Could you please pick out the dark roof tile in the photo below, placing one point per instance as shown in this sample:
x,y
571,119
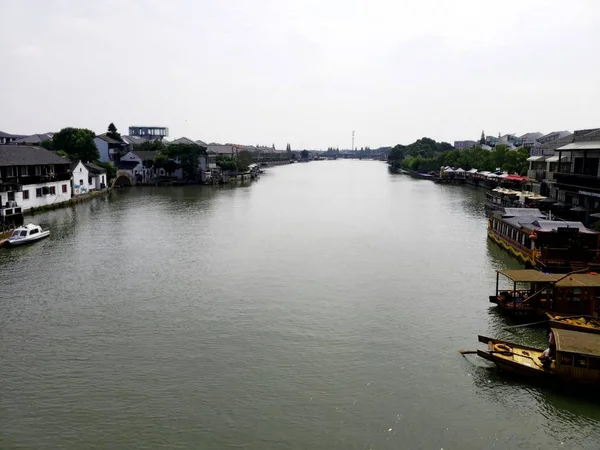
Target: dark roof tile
x,y
28,155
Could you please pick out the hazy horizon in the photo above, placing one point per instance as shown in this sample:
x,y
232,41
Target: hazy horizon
x,y
303,72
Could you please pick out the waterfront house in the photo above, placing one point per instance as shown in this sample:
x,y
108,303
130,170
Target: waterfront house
x,y
87,177
108,148
30,177
7,138
34,139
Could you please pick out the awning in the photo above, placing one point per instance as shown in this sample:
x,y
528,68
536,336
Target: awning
x,y
516,178
555,158
596,215
536,158
578,209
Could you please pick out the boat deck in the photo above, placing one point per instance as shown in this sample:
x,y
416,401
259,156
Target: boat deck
x,y
518,359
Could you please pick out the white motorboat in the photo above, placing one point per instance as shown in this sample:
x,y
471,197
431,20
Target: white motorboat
x,y
27,234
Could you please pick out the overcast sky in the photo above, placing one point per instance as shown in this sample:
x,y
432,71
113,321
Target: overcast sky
x,y
305,72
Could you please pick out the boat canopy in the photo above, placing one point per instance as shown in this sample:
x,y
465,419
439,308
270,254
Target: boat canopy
x,y
571,341
560,280
529,276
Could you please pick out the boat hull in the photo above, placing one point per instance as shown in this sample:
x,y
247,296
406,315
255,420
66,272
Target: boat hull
x,y
29,239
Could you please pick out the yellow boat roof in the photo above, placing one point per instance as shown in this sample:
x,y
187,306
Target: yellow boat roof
x,y
572,341
529,275
535,276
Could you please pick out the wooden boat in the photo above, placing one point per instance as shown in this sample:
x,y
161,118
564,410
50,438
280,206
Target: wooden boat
x,y
532,292
577,358
499,198
27,234
556,246
585,324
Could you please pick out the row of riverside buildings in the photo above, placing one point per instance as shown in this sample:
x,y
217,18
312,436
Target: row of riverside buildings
x,y
32,177
563,166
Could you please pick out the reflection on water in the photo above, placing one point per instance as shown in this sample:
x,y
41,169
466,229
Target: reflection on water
x,y
321,307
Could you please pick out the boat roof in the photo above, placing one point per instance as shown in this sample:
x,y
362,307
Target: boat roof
x,y
529,276
535,276
580,280
29,226
572,341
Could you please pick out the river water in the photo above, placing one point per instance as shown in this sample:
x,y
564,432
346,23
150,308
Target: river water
x,y
322,307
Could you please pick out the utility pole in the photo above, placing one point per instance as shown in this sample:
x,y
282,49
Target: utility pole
x,y
353,140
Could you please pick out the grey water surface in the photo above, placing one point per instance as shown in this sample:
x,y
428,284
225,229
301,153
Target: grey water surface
x,y
321,307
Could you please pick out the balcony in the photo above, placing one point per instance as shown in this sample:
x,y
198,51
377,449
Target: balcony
x,y
537,175
577,180
10,208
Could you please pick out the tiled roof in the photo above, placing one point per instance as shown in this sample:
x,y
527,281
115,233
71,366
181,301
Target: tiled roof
x,y
126,165
8,135
28,155
108,139
34,138
93,168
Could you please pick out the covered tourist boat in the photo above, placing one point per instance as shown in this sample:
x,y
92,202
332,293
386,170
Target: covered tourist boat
x,y
576,359
531,292
499,198
557,246
27,234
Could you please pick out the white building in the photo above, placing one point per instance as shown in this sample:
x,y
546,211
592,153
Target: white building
x,y
87,178
31,177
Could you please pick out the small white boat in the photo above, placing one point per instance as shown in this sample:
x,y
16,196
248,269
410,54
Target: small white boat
x,y
27,234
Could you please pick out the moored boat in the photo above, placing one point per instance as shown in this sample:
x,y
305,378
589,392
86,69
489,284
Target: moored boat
x,y
576,359
27,234
585,324
532,292
556,246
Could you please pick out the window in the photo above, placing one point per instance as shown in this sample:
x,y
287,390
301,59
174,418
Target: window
x,y
81,169
52,190
64,188
102,181
50,169
25,194
38,170
11,196
574,295
10,172
24,171
89,180
45,190
38,192
34,231
80,182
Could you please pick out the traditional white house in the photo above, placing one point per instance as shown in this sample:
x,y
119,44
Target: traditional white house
x,y
87,177
31,177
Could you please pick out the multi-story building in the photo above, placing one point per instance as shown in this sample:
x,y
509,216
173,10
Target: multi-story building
x,y
31,177
543,162
576,186
462,145
146,132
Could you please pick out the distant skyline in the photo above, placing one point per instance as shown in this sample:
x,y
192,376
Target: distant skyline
x,y
306,72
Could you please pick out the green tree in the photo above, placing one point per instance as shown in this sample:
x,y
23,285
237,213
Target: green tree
x,y
304,154
78,143
227,163
113,133
111,171
244,159
188,156
47,144
151,146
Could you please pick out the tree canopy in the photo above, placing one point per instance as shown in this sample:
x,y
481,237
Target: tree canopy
x,y
77,143
188,156
113,133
